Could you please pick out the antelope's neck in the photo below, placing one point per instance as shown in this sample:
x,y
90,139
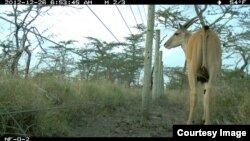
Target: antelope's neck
x,y
185,42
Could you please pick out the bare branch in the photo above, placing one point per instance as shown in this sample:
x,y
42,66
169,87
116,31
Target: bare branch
x,y
29,10
199,13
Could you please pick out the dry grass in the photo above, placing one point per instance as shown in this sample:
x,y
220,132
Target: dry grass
x,y
230,102
50,107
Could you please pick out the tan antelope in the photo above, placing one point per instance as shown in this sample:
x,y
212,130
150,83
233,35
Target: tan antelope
x,y
203,55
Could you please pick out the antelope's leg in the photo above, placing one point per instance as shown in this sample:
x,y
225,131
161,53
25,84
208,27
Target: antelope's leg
x,y
207,103
209,86
192,97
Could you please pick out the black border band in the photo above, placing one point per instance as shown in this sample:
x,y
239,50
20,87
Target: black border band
x,y
122,2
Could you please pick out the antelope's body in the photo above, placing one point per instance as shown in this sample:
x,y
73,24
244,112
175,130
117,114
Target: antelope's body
x,y
203,55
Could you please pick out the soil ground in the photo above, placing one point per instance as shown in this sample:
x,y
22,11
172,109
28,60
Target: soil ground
x,y
126,122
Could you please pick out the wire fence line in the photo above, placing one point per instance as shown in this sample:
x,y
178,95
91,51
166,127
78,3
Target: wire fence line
x,y
124,19
15,121
133,14
144,12
6,112
103,24
140,14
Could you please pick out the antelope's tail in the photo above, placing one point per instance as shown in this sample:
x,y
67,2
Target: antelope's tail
x,y
204,46
203,74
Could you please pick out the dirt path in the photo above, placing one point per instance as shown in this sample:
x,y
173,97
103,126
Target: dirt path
x,y
125,122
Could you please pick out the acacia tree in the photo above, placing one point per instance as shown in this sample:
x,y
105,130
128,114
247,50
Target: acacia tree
x,y
238,45
102,55
58,58
22,19
7,51
87,61
100,60
133,61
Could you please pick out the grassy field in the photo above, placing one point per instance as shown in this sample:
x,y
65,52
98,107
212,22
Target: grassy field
x,y
59,107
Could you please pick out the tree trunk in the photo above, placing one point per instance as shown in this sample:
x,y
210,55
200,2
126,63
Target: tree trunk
x,y
28,62
199,13
14,65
